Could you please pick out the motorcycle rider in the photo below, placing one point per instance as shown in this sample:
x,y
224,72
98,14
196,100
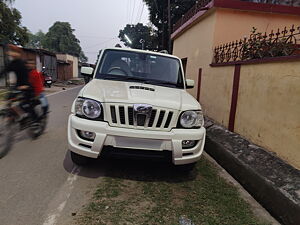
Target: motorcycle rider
x,y
36,81
18,66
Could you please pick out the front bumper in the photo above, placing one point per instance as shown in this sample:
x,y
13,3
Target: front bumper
x,y
134,139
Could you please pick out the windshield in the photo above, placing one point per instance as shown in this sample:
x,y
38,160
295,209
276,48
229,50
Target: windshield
x,y
140,67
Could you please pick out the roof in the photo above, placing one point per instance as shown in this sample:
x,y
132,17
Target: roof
x,y
142,51
39,51
62,62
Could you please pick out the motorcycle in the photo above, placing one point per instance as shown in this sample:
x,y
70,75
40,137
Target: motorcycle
x,y
47,78
13,118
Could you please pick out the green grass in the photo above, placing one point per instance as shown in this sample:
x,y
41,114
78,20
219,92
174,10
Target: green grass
x,y
164,196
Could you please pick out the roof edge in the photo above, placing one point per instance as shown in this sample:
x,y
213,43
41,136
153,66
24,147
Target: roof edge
x,y
238,5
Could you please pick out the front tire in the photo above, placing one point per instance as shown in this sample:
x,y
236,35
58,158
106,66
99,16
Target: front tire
x,y
79,160
37,129
6,134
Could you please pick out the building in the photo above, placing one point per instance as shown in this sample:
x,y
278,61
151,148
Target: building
x,y
43,58
67,66
257,94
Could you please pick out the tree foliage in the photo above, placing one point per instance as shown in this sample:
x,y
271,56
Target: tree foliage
x,y
159,16
61,39
36,40
11,30
82,57
139,32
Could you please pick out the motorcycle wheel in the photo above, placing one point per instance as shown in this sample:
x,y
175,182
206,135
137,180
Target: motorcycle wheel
x,y
6,134
37,129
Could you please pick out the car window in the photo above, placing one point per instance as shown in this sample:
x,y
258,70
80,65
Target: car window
x,y
147,66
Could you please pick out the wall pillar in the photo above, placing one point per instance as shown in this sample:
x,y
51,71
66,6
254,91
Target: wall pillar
x,y
234,98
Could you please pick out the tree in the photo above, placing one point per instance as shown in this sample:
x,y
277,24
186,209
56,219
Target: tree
x,y
139,32
159,16
36,40
11,30
61,39
82,57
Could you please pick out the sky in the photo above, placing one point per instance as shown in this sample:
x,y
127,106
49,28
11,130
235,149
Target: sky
x,y
96,22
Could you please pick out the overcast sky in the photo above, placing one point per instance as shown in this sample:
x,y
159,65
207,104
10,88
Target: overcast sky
x,y
97,22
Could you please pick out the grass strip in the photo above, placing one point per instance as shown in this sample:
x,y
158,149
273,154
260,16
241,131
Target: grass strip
x,y
162,196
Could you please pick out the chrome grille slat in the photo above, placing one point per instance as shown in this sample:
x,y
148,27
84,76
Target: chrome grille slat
x,y
126,115
121,115
118,116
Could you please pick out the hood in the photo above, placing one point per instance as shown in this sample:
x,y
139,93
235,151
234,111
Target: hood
x,y
107,91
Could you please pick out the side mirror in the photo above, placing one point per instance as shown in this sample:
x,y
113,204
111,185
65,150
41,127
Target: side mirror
x,y
87,71
189,84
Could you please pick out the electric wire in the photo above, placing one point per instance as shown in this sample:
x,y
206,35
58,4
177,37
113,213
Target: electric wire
x,y
101,43
138,11
132,15
141,13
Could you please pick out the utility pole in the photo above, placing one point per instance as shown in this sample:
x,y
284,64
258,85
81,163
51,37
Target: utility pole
x,y
169,27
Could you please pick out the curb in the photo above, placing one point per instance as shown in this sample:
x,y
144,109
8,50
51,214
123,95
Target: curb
x,y
271,181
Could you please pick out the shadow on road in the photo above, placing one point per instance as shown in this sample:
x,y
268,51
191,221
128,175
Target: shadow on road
x,y
129,169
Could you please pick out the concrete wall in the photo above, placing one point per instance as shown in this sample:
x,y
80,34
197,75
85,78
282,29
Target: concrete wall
x,y
268,106
38,63
234,25
196,45
268,109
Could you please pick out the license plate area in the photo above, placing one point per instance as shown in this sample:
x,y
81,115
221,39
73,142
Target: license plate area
x,y
139,143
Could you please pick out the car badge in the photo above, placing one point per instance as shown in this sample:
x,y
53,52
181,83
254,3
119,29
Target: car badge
x,y
142,109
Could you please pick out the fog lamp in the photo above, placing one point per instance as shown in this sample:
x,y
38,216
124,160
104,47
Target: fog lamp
x,y
188,144
86,135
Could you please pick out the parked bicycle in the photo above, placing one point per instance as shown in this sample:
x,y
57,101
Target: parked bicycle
x,y
14,118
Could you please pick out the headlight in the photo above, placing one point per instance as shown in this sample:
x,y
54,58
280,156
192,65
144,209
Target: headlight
x,y
191,119
88,108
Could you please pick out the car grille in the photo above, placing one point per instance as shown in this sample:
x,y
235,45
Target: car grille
x,y
124,116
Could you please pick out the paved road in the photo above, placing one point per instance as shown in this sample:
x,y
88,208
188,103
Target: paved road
x,y
37,177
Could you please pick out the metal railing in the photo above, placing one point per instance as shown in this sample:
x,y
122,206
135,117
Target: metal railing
x,y
276,2
259,46
192,12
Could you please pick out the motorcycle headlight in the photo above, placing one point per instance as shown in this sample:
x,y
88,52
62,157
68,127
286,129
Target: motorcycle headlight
x,y
191,119
88,108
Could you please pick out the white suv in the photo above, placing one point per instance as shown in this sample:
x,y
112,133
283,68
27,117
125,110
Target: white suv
x,y
136,104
